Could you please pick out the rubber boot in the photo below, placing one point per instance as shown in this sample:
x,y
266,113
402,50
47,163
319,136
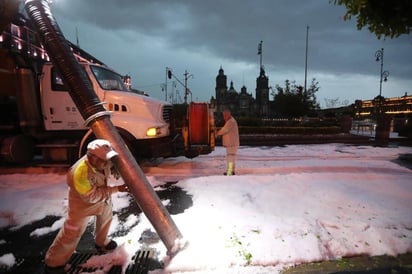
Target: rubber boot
x,y
229,169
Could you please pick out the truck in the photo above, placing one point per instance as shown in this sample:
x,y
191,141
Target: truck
x,y
40,123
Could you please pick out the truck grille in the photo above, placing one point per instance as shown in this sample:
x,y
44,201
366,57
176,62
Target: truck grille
x,y
167,113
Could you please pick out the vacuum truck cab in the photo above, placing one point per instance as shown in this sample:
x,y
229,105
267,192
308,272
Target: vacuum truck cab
x,y
142,120
40,120
143,117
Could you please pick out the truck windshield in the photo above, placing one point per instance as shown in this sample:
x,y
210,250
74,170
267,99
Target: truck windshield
x,y
108,79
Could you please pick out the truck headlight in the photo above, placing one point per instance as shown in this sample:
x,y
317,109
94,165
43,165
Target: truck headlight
x,y
153,131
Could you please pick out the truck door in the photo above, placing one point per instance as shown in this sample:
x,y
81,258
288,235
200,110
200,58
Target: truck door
x,y
59,110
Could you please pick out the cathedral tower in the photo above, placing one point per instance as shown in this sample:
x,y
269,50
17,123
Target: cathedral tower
x,y
262,93
221,86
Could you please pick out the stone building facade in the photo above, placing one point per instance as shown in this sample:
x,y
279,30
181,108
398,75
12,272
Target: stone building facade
x,y
241,104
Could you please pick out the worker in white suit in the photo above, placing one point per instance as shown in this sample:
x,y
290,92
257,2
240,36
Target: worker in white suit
x,y
230,140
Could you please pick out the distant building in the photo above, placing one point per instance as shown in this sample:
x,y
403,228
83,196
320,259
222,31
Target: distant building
x,y
243,103
397,106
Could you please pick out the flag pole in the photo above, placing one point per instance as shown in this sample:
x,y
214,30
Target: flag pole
x,y
306,57
260,52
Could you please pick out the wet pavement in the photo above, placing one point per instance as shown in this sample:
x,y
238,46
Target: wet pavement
x,y
401,264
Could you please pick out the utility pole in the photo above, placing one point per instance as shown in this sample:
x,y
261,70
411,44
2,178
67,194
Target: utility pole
x,y
187,75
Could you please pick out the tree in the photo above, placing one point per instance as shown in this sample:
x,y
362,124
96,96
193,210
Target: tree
x,y
385,18
309,97
335,102
331,103
293,101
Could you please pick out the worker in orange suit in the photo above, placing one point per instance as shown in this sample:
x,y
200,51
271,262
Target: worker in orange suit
x,y
89,195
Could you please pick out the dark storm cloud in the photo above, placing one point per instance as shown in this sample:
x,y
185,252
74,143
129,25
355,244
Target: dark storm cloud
x,y
232,29
155,33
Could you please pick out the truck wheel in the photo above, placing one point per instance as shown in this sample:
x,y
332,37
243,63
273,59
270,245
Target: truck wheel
x,y
17,149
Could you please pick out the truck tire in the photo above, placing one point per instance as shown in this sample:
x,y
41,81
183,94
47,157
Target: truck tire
x,y
18,149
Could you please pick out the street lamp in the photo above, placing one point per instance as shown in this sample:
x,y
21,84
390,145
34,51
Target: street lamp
x,y
384,74
383,122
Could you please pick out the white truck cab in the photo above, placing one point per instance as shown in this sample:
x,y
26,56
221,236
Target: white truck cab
x,y
141,116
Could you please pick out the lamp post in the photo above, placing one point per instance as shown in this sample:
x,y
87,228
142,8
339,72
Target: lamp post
x,y
383,122
384,74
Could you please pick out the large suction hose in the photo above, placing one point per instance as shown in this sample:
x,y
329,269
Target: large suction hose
x,y
98,119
